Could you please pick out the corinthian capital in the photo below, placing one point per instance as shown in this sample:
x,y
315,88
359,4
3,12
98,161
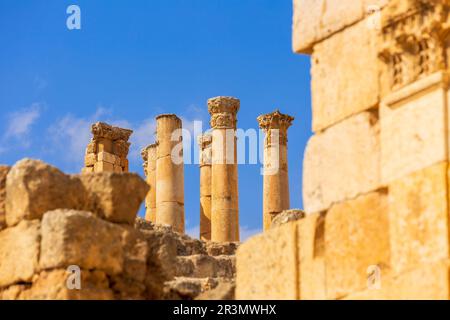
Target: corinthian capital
x,y
223,111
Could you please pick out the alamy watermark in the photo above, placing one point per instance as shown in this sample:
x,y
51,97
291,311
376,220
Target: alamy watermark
x,y
73,21
73,281
230,146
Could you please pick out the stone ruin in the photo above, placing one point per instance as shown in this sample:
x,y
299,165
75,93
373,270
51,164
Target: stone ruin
x,y
375,185
83,221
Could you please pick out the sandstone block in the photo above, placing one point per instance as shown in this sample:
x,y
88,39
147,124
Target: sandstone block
x,y
90,159
346,155
267,266
315,20
91,147
104,145
107,157
106,193
311,256
19,253
425,282
135,254
25,186
418,214
356,238
102,166
3,173
338,88
79,238
413,129
87,170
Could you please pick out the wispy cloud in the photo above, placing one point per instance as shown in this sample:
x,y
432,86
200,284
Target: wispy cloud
x,y
70,135
18,127
20,122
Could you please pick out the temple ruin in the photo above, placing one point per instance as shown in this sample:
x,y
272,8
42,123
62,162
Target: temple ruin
x,y
376,192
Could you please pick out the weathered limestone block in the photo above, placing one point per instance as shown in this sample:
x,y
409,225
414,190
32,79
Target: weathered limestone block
x,y
267,266
34,187
413,128
346,86
3,173
52,285
136,251
315,20
19,253
356,238
311,257
90,159
79,238
418,215
106,194
346,155
425,282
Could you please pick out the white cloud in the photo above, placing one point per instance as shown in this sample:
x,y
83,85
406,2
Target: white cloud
x,y
20,122
70,135
143,135
18,128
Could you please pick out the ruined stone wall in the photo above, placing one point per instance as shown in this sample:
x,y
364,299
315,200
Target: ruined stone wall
x,y
376,171
51,223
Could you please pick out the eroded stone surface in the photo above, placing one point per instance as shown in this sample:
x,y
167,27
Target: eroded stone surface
x,y
19,253
3,173
342,162
79,238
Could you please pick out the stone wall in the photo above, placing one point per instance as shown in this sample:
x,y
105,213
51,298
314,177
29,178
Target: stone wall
x,y
376,171
52,222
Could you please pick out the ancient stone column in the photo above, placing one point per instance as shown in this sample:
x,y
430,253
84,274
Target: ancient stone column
x,y
149,157
224,170
108,149
204,142
276,180
169,172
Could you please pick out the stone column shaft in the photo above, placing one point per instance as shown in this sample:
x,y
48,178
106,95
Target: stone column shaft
x,y
276,179
149,156
224,170
170,172
205,146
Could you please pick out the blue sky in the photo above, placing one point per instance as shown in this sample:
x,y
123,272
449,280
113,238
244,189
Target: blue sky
x,y
132,60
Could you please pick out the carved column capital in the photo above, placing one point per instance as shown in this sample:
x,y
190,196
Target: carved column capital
x,y
275,123
223,111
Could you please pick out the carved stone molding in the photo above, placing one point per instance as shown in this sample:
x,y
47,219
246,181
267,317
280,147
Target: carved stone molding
x,y
102,130
414,38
